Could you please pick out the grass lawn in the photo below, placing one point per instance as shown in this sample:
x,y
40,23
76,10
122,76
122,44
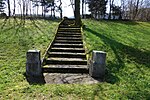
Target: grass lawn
x,y
128,55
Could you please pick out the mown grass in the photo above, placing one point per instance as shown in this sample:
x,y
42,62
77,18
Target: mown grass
x,y
128,56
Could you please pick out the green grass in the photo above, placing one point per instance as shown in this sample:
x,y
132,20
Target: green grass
x,y
128,55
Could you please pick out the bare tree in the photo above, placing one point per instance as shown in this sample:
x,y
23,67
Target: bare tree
x,y
27,6
24,6
82,8
135,9
111,2
9,12
60,8
77,13
14,10
20,6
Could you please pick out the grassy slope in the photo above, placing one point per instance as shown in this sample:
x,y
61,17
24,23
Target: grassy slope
x,y
126,44
128,55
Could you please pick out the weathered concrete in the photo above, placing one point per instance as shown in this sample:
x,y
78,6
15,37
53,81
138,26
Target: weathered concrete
x,y
59,78
33,64
97,66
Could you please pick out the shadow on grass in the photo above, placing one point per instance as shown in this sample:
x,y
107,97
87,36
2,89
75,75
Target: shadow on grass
x,y
96,92
39,28
127,22
120,50
99,92
138,95
4,23
33,80
55,20
12,27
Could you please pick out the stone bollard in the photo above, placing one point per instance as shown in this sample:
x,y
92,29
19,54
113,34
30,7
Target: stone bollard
x,y
33,64
97,66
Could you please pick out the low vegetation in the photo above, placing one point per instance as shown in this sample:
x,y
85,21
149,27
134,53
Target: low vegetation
x,y
128,56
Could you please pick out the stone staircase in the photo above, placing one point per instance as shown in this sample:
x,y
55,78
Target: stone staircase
x,y
66,54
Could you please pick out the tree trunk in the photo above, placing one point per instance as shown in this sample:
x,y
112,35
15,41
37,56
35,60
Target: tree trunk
x,y
42,10
14,11
82,8
20,9
9,12
77,13
30,8
111,4
23,8
60,7
54,12
136,10
109,16
37,8
27,7
51,11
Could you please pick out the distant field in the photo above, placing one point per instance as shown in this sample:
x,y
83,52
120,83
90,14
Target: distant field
x,y
128,60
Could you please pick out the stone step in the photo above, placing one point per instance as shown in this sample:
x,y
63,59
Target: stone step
x,y
66,61
65,70
67,45
69,33
73,50
67,55
65,66
66,26
68,42
68,38
69,30
65,36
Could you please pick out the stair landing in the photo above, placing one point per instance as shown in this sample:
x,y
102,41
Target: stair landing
x,y
59,78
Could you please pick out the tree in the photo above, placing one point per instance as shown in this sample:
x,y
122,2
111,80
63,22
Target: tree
x,y
9,12
82,7
60,8
123,8
36,5
143,11
49,5
133,6
116,11
2,6
97,8
43,3
111,2
14,10
53,8
77,13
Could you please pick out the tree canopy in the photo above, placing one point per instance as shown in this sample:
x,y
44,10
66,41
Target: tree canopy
x,y
2,5
97,8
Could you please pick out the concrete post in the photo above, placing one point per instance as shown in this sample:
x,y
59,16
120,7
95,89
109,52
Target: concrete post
x,y
33,64
97,66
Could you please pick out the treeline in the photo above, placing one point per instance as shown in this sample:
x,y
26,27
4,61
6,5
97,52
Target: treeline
x,y
127,9
36,8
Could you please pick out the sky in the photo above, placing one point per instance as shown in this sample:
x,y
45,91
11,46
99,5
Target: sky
x,y
67,10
